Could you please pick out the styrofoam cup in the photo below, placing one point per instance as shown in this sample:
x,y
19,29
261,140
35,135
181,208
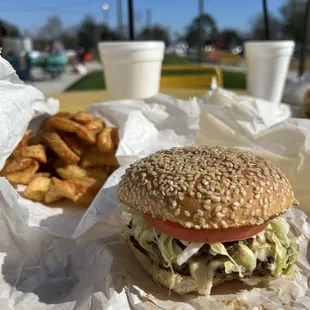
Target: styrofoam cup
x,y
267,64
132,69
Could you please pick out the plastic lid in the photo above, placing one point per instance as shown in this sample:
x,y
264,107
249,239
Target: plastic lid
x,y
270,44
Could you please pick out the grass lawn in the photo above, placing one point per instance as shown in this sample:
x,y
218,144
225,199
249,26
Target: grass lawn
x,y
95,80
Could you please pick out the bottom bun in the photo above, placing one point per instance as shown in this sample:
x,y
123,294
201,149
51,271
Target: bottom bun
x,y
182,284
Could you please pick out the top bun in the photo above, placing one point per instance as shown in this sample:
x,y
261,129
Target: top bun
x,y
206,187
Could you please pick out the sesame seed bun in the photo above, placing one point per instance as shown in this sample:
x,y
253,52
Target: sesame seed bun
x,y
207,187
182,284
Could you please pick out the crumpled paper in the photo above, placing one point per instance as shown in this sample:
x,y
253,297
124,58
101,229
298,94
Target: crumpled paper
x,y
97,270
144,127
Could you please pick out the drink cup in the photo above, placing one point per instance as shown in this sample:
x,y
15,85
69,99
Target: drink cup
x,y
267,64
132,69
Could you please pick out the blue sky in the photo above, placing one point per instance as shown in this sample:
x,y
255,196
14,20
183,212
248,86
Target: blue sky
x,y
173,14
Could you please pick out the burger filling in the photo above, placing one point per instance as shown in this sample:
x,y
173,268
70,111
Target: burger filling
x,y
270,253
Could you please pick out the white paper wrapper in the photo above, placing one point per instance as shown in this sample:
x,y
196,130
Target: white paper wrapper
x,y
97,270
144,127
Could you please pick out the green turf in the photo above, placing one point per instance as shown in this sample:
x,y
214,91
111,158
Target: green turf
x,y
174,59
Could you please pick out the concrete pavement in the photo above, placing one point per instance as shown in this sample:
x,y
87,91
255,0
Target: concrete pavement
x,y
44,83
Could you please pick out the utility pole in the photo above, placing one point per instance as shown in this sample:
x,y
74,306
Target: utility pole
x,y
119,16
131,20
201,39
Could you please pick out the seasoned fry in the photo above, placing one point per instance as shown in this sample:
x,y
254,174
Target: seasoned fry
x,y
52,194
96,125
36,139
36,152
104,140
98,173
67,125
14,164
23,176
73,143
83,117
70,172
64,114
82,190
54,141
95,158
37,188
42,175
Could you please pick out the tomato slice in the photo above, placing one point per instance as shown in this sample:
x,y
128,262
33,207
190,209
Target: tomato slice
x,y
203,235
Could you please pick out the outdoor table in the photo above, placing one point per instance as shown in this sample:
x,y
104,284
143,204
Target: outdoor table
x,y
77,101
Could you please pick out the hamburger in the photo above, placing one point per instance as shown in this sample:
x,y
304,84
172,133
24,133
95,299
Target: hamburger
x,y
208,214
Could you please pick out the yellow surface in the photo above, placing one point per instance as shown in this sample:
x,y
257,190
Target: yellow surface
x,y
77,101
199,81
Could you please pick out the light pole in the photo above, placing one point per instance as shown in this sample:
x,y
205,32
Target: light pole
x,y
105,9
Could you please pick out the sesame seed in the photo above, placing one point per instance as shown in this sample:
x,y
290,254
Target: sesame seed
x,y
187,213
261,202
219,214
235,204
177,212
225,210
257,196
233,215
224,224
218,208
253,213
215,225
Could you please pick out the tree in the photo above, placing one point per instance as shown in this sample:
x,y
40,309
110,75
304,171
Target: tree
x,y
89,33
231,37
293,14
208,31
155,33
7,29
52,28
275,28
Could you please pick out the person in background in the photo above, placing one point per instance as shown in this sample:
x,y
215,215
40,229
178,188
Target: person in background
x,y
57,48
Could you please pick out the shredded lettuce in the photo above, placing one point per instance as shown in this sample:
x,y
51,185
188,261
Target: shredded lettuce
x,y
219,248
275,243
244,257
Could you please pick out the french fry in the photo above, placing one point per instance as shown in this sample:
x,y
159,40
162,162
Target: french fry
x,y
115,138
67,125
70,172
81,190
73,143
83,117
42,175
52,194
96,125
64,114
36,152
104,140
37,188
54,141
14,164
95,158
98,173
23,176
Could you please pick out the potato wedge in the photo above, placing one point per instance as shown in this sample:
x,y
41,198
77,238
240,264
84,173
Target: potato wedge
x,y
37,188
52,194
95,158
96,125
15,164
83,117
42,174
54,141
104,140
67,125
73,143
36,152
70,172
23,176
